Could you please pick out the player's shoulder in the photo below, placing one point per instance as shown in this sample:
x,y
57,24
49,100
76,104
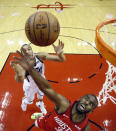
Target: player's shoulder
x,y
41,55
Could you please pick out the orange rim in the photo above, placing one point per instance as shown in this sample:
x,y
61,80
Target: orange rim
x,y
102,46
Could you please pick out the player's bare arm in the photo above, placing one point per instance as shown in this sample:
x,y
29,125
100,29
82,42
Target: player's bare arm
x,y
58,50
27,63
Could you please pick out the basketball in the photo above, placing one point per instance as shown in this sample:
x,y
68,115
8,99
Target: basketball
x,y
42,28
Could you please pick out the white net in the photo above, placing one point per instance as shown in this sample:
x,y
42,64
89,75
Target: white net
x,y
108,87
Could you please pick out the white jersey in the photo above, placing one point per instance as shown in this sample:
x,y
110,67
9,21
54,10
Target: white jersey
x,y
30,88
39,66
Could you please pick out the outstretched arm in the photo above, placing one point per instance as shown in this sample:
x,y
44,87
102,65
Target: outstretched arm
x,y
27,63
59,51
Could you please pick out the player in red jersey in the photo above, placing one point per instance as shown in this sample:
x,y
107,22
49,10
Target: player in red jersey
x,y
67,116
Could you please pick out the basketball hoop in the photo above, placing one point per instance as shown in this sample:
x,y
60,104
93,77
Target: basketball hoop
x,y
106,51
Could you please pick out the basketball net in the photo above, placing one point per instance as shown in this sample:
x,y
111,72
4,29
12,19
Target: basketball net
x,y
109,86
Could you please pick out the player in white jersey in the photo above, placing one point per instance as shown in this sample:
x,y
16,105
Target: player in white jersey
x,y
29,86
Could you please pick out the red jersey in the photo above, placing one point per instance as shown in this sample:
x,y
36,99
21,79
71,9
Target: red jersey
x,y
61,122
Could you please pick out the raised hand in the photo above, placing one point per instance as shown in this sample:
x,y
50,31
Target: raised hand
x,y
59,48
24,61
